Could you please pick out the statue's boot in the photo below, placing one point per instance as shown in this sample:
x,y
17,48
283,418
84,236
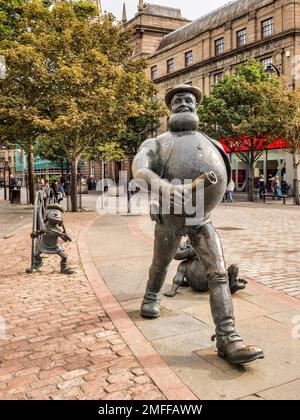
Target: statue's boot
x,y
38,263
151,305
230,345
64,267
235,283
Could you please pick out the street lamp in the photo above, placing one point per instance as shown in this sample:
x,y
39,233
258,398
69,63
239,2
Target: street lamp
x,y
270,68
5,167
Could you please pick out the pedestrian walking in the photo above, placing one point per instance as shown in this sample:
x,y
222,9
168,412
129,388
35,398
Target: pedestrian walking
x,y
262,186
276,188
230,190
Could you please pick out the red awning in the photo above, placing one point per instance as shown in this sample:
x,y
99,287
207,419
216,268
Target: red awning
x,y
275,144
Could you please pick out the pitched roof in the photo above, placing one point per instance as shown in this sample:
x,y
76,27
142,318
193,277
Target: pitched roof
x,y
155,9
212,20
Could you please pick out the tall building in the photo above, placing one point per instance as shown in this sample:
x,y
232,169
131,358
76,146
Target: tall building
x,y
201,52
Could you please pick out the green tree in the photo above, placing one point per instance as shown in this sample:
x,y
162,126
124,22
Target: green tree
x,y
76,74
10,17
138,129
290,130
117,146
51,150
245,111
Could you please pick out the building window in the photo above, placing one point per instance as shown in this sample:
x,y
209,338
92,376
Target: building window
x,y
153,72
188,58
266,61
219,46
218,77
241,37
170,65
267,27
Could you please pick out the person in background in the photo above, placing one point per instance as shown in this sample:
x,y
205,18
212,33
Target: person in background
x,y
262,185
230,189
276,188
54,189
62,185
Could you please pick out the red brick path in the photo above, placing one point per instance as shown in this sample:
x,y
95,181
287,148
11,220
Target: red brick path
x,y
60,344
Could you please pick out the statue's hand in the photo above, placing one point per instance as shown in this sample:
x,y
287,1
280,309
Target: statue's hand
x,y
174,195
34,235
66,238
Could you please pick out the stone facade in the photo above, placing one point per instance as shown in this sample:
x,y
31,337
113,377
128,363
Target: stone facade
x,y
268,30
202,51
8,155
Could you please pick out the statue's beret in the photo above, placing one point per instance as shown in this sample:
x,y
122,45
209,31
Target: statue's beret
x,y
55,207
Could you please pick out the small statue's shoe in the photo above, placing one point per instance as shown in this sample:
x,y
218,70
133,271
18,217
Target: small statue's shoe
x,y
68,271
232,349
36,267
151,305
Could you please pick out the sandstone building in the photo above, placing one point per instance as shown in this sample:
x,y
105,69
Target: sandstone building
x,y
204,50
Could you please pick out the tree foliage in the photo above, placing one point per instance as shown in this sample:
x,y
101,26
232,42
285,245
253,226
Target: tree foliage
x,y
71,78
290,130
10,18
246,111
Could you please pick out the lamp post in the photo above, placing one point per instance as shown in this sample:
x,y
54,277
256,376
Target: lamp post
x,y
271,68
6,170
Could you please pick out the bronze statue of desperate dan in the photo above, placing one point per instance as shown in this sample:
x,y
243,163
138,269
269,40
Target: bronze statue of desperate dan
x,y
184,153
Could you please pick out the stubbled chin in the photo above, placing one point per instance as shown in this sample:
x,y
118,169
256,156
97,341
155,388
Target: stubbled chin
x,y
184,121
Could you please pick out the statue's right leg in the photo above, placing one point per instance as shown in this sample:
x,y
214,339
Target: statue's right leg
x,y
38,262
166,243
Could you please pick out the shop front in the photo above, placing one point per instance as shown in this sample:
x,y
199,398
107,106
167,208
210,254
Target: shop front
x,y
274,161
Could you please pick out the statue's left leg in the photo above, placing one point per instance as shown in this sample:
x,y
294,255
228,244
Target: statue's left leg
x,y
64,264
207,244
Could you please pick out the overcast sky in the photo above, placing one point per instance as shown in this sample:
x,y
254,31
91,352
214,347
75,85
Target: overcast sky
x,y
190,9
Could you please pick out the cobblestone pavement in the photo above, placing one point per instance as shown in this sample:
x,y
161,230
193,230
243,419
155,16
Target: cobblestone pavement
x,y
263,240
59,342
13,217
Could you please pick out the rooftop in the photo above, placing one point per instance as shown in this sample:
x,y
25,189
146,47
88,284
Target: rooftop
x,y
155,9
212,20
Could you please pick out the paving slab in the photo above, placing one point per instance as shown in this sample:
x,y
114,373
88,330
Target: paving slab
x,y
182,335
289,391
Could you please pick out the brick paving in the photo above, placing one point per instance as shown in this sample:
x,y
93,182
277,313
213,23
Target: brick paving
x,y
268,246
60,343
264,240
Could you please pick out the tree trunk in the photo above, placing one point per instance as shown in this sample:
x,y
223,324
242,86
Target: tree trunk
x,y
251,182
296,181
30,176
74,163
